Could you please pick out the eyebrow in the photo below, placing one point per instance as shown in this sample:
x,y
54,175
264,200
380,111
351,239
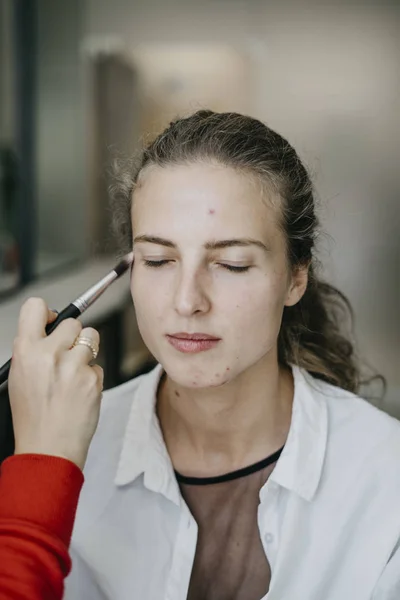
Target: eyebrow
x,y
217,245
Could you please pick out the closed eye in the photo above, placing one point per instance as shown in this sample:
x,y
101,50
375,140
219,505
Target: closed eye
x,y
236,269
160,263
155,263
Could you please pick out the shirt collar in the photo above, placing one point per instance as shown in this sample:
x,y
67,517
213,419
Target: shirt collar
x,y
143,448
300,465
298,469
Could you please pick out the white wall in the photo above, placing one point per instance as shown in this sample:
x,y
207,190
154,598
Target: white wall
x,y
327,79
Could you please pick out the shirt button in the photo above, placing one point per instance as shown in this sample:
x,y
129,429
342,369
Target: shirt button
x,y
269,538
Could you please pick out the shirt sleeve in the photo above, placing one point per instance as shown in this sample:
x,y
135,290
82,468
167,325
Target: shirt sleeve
x,y
38,500
388,586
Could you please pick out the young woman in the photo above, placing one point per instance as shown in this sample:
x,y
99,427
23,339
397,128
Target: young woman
x,y
244,466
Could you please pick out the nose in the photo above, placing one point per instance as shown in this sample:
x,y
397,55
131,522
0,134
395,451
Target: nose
x,y
191,295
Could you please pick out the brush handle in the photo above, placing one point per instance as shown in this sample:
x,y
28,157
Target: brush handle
x,y
70,312
4,371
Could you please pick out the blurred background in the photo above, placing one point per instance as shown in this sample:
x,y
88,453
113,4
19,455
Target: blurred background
x,y
85,79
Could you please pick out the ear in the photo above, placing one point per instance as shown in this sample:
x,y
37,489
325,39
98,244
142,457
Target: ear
x,y
298,285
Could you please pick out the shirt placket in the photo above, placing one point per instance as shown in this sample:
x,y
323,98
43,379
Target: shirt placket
x,y
268,525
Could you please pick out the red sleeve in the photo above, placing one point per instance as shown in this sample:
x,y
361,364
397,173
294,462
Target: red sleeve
x,y
38,499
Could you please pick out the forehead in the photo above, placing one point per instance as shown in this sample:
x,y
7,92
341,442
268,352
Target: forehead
x,y
202,200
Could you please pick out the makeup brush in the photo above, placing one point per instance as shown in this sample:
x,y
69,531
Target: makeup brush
x,y
78,306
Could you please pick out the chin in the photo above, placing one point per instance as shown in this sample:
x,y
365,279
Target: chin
x,y
195,375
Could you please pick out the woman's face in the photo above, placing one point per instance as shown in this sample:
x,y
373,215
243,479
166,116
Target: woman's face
x,y
210,277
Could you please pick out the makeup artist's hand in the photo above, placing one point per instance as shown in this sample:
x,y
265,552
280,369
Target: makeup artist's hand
x,y
54,394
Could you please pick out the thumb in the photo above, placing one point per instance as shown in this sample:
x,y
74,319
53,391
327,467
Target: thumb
x,y
52,315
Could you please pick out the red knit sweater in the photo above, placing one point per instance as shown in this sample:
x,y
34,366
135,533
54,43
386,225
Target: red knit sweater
x,y
38,499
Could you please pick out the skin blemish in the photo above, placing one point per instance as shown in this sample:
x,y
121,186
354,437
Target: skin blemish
x,y
228,368
177,394
211,211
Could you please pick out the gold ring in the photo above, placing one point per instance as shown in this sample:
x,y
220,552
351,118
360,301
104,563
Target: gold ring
x,y
89,343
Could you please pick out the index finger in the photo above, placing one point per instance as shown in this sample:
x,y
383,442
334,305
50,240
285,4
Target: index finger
x,y
33,318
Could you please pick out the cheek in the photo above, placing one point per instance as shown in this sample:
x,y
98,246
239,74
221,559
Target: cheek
x,y
145,298
151,298
254,320
261,301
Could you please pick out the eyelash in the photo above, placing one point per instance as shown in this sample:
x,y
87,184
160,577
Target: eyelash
x,y
160,263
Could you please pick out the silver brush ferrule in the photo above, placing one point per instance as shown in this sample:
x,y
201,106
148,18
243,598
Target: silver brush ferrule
x,y
84,301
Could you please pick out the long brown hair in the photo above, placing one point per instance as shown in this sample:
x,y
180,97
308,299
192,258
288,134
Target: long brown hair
x,y
312,333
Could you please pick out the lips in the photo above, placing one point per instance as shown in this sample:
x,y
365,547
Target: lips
x,y
191,343
193,336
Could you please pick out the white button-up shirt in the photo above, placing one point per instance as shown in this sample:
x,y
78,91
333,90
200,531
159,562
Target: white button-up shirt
x,y
329,514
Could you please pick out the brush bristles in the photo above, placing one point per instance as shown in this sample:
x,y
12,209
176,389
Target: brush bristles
x,y
124,264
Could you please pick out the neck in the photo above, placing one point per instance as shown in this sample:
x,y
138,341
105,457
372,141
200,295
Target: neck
x,y
216,430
